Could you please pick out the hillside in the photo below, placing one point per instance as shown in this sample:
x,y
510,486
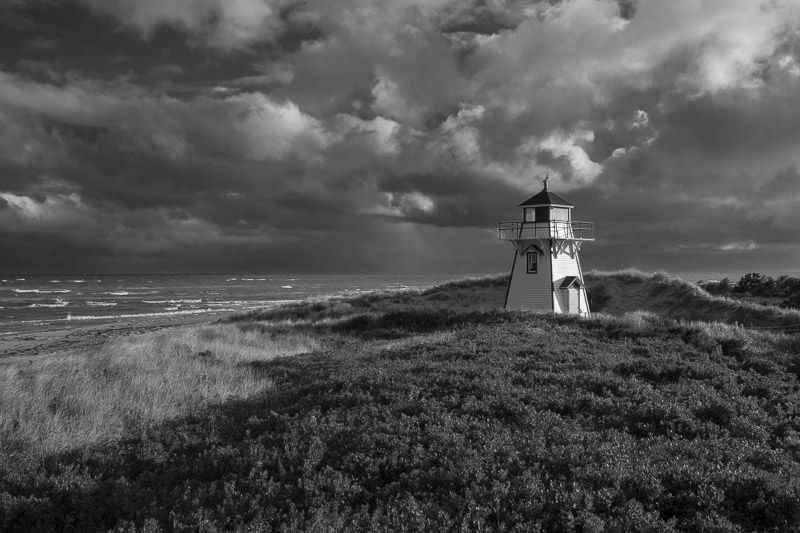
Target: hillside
x,y
669,296
415,411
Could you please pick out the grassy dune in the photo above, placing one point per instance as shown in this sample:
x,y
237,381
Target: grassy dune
x,y
75,400
672,297
416,411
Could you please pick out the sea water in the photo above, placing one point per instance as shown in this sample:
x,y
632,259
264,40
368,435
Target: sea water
x,y
28,302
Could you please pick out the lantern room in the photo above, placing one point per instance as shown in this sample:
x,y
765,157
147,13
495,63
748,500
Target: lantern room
x,y
545,207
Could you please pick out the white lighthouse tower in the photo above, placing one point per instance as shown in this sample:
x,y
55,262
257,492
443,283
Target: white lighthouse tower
x,y
546,273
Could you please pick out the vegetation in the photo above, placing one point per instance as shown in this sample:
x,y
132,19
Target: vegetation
x,y
672,297
486,292
406,414
785,290
56,404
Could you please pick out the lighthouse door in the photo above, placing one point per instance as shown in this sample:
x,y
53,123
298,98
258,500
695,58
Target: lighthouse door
x,y
574,300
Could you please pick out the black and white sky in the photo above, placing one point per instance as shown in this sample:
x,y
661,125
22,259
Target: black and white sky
x,y
393,135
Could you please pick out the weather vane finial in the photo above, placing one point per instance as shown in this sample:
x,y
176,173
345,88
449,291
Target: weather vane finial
x,y
546,179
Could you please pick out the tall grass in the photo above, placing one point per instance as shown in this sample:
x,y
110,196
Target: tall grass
x,y
672,297
472,292
57,403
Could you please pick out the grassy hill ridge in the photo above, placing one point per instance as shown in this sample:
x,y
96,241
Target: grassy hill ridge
x,y
669,296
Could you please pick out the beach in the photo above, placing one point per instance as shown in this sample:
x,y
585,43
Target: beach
x,y
82,335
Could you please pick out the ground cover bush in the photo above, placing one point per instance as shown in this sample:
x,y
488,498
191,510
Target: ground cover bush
x,y
469,421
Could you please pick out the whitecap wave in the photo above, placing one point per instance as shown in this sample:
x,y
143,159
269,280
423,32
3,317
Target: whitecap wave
x,y
58,303
117,293
145,315
101,304
171,301
42,291
286,286
268,304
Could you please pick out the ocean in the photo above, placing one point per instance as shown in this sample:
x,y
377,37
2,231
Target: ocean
x,y
31,302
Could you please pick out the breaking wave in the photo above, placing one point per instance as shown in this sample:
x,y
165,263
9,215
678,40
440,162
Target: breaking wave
x,y
58,303
144,315
171,301
42,291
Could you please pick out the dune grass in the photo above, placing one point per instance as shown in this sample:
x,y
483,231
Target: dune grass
x,y
670,296
57,403
469,293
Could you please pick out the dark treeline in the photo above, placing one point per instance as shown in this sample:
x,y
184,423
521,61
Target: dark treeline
x,y
758,285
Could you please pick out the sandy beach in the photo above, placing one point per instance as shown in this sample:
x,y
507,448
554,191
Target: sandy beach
x,y
52,339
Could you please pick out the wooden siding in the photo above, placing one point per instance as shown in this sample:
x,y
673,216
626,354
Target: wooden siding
x,y
566,264
531,291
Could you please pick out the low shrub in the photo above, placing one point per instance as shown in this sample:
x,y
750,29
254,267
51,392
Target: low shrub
x,y
444,420
598,296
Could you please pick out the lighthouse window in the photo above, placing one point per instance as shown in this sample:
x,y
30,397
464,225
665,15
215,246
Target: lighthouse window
x,y
529,214
533,265
560,213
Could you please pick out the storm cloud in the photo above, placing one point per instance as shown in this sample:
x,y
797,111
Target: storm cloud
x,y
255,135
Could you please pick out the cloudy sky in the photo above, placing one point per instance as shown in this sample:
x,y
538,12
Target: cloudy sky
x,y
393,135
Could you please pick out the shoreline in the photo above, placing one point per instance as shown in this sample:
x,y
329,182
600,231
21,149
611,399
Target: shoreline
x,y
57,339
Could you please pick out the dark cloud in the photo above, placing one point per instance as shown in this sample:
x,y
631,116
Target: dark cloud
x,y
482,17
628,8
266,135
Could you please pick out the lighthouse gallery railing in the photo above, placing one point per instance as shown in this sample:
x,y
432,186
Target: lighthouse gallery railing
x,y
555,229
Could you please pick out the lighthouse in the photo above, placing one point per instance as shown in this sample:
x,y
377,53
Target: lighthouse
x,y
546,271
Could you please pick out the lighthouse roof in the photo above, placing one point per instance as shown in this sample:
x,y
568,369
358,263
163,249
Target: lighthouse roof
x,y
545,197
569,281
